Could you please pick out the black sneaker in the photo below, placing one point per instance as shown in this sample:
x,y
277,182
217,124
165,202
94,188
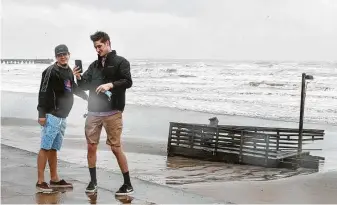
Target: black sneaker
x,y
125,190
92,187
43,188
62,184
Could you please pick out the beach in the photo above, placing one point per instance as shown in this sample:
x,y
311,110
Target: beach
x,y
17,185
318,188
145,139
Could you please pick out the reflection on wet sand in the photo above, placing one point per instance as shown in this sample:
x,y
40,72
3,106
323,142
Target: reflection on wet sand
x,y
55,197
63,189
48,198
123,199
58,197
182,170
92,197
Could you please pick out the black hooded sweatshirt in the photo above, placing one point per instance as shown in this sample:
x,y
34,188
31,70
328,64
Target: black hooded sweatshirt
x,y
57,89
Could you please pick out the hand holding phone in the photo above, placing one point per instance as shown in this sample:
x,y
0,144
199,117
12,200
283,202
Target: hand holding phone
x,y
78,69
78,63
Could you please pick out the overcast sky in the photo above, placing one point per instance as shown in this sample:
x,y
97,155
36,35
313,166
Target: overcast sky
x,y
206,29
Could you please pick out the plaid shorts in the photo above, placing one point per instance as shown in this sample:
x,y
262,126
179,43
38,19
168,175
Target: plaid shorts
x,y
52,132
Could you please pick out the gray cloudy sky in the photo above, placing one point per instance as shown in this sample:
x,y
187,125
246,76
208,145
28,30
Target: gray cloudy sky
x,y
222,29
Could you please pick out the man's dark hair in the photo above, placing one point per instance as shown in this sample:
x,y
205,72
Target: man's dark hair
x,y
100,36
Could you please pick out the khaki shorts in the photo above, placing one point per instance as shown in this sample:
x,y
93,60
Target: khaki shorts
x,y
112,124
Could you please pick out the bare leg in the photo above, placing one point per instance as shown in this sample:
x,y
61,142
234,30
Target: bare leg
x,y
52,160
121,158
41,164
92,155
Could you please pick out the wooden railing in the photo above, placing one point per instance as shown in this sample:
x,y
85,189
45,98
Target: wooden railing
x,y
265,142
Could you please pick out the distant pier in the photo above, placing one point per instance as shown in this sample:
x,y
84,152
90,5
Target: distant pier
x,y
27,61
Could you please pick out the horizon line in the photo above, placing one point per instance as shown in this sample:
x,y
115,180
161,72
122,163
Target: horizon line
x,y
193,59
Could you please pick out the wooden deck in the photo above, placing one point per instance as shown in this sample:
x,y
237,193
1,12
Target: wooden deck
x,y
263,146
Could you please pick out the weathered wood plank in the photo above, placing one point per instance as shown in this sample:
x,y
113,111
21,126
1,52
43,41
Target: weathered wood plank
x,y
246,142
233,144
200,133
253,128
226,148
223,157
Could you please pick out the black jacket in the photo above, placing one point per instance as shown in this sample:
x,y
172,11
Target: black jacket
x,y
56,92
116,70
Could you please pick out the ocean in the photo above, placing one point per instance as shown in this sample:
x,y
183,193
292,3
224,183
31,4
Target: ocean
x,y
267,90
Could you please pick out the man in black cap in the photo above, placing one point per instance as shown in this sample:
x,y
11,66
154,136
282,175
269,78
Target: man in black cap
x,y
54,105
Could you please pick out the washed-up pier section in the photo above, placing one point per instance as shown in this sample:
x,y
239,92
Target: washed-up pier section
x,y
262,146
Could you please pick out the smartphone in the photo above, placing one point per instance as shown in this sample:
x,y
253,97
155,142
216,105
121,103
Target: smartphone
x,y
78,63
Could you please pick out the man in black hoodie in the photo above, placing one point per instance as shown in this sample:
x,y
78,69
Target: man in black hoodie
x,y
54,104
107,80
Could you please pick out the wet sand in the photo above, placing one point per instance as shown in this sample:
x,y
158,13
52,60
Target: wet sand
x,y
147,160
144,139
319,188
19,175
18,188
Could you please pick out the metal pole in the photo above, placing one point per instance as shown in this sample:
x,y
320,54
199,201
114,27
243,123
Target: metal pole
x,y
303,92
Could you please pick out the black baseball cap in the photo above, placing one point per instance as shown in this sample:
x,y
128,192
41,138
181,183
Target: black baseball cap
x,y
61,49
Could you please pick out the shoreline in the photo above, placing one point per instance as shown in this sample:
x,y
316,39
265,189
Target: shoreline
x,y
147,159
306,121
150,125
303,188
148,140
140,152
